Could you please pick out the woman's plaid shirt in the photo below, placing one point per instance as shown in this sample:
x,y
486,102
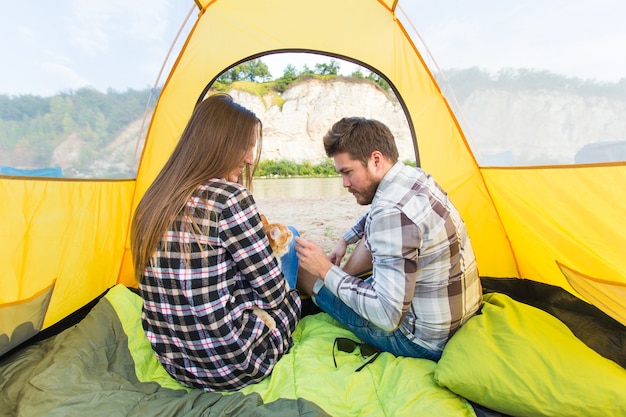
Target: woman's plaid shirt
x,y
197,302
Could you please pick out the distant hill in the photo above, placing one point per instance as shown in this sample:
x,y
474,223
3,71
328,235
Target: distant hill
x,y
74,130
526,117
515,117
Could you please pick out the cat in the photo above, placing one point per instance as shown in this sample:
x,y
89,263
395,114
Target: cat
x,y
279,237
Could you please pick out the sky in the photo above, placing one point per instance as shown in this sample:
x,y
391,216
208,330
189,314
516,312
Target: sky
x,y
55,46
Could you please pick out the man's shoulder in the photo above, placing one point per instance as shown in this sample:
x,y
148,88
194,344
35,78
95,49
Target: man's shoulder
x,y
405,181
413,172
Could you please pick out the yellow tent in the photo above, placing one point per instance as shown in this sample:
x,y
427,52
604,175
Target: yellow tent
x,y
560,225
66,241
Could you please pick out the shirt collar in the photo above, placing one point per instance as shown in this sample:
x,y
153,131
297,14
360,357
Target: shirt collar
x,y
387,180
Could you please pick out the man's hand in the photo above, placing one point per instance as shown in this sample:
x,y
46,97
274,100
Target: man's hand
x,y
336,255
312,257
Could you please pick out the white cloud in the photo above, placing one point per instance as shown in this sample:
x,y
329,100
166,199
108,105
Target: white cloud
x,y
64,75
98,26
121,44
578,38
26,31
88,25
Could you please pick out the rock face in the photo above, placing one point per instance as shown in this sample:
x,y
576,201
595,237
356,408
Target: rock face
x,y
530,127
503,127
520,127
294,131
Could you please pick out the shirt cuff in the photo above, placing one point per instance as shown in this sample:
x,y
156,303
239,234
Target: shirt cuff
x,y
350,236
317,286
333,277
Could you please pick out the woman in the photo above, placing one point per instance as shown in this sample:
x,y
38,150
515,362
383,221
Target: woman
x,y
203,261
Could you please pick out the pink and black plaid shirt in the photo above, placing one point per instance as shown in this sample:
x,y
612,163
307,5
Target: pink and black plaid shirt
x,y
197,302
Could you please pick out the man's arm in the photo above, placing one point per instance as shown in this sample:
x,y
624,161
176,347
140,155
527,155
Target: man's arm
x,y
386,297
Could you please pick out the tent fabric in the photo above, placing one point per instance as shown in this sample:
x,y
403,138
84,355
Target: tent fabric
x,y
572,215
22,320
522,221
383,45
67,231
607,295
557,225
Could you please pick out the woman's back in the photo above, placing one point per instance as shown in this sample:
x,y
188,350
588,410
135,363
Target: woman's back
x,y
198,306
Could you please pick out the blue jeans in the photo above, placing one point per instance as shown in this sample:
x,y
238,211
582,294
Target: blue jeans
x,y
289,261
394,342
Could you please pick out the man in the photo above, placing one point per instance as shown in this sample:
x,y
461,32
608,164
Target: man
x,y
424,282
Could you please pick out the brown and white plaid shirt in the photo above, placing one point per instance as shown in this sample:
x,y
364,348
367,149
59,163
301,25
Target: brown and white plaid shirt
x,y
425,280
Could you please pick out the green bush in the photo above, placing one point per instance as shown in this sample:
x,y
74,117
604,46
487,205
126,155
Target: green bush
x,y
287,168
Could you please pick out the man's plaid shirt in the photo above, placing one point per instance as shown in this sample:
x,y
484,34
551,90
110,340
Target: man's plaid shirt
x,y
425,280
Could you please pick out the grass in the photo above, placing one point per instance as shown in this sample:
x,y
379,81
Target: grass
x,y
285,168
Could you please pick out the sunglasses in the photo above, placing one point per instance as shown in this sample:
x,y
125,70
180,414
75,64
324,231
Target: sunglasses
x,y
368,352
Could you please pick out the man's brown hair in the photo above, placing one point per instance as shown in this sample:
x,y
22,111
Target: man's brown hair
x,y
359,137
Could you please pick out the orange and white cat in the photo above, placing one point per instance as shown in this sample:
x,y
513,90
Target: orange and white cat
x,y
279,237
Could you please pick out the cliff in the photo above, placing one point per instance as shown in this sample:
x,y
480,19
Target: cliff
x,y
503,127
519,127
294,130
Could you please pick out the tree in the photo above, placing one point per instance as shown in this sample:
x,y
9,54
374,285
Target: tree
x,y
253,70
290,72
23,107
230,76
378,80
357,73
289,75
256,70
60,109
332,68
306,70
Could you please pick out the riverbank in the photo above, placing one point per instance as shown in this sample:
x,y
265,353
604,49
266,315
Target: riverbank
x,y
322,219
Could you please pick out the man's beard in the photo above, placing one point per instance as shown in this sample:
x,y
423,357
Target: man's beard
x,y
365,196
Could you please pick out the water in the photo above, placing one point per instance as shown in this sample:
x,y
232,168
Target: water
x,y
298,187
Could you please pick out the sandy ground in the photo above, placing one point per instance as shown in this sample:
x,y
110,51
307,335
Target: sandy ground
x,y
322,219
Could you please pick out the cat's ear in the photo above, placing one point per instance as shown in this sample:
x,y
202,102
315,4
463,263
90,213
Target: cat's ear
x,y
274,233
263,219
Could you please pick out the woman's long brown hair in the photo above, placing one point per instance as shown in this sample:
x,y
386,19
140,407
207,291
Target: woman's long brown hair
x,y
212,145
